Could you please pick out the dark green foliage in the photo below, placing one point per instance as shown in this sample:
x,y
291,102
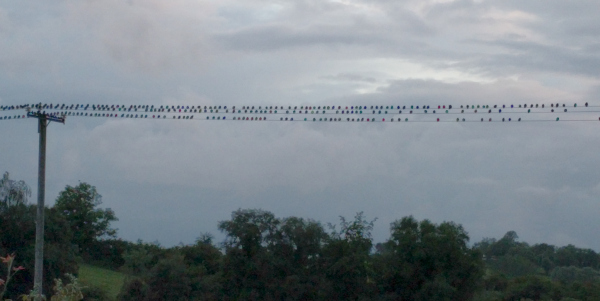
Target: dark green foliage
x,y
544,256
346,256
573,256
107,253
249,230
247,268
514,266
18,237
203,265
180,273
87,222
539,272
583,290
94,293
168,280
531,287
134,290
574,274
425,261
296,254
140,258
268,258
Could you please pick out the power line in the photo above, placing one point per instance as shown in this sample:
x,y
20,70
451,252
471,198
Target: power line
x,y
412,113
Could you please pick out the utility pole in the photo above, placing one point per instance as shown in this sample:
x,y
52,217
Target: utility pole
x,y
43,121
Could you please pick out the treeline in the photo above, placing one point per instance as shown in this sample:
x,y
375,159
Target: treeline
x,y
519,271
265,257
269,258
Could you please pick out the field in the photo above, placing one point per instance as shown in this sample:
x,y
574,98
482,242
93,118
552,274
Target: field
x,y
107,280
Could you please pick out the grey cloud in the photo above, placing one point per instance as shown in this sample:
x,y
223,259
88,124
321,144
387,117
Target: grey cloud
x,y
535,56
148,36
4,22
309,24
170,181
277,37
430,92
350,77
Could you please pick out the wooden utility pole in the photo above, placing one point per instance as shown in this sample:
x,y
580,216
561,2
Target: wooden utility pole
x,y
39,221
43,120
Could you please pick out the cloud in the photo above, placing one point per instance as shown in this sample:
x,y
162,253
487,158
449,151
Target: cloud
x,y
170,180
4,22
152,36
277,37
350,77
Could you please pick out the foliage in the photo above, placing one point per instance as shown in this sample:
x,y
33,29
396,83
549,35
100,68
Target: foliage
x,y
346,257
574,274
87,222
514,266
168,280
249,230
531,287
100,283
18,236
107,253
139,258
425,261
10,272
67,292
179,273
13,192
573,256
95,293
246,268
540,272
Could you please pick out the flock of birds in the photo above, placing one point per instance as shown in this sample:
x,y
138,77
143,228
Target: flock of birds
x,y
377,113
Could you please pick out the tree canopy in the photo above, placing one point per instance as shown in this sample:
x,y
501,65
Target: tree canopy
x,y
88,223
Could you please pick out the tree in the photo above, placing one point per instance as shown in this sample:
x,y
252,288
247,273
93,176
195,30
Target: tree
x,y
425,261
168,280
502,246
295,255
271,259
347,260
531,287
203,266
573,256
88,223
13,192
247,268
249,230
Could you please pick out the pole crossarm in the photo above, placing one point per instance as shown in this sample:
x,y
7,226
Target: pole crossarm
x,y
38,115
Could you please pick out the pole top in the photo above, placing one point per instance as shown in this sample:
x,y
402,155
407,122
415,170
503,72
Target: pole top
x,y
39,115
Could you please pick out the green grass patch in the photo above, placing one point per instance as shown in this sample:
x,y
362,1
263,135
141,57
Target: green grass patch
x,y
109,281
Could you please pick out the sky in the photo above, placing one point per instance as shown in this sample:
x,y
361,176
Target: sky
x,y
170,181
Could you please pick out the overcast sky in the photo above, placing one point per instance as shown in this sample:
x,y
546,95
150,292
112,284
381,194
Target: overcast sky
x,y
169,181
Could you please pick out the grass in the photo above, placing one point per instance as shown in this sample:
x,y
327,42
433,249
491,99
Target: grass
x,y
109,281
